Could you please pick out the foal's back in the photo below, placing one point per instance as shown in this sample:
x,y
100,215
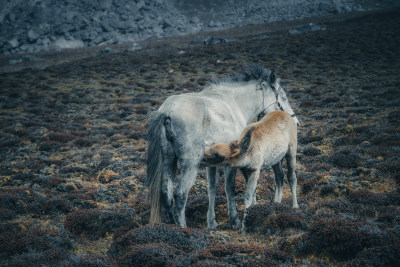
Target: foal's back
x,y
274,126
271,139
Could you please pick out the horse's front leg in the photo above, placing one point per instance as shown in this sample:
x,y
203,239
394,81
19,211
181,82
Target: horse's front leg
x,y
186,181
230,176
253,176
212,181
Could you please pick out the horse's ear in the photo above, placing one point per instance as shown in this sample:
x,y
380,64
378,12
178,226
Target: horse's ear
x,y
272,77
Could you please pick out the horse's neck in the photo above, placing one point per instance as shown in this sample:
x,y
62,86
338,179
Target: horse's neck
x,y
243,98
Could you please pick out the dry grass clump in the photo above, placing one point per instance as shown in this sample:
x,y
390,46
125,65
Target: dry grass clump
x,y
56,205
273,218
327,190
185,239
339,239
20,246
311,151
366,197
386,140
95,223
349,140
391,166
87,260
21,201
386,255
345,158
155,254
310,139
239,255
307,186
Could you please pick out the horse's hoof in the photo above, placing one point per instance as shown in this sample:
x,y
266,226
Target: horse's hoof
x,y
243,231
212,225
237,224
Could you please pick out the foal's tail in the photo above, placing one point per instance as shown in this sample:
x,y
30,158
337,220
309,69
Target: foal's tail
x,y
155,132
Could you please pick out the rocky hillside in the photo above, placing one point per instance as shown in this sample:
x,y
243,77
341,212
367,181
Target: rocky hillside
x,y
40,25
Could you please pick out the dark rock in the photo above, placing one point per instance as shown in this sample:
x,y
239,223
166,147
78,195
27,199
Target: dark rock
x,y
106,27
214,40
13,43
307,28
32,36
134,46
108,50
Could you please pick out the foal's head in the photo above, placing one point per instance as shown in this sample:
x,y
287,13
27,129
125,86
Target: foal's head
x,y
219,154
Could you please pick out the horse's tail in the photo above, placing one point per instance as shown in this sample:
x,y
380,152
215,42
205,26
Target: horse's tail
x,y
155,133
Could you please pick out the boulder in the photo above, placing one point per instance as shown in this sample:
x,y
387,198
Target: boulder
x,y
32,36
62,43
13,43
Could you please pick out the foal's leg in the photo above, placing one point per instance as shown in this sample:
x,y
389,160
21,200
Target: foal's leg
x,y
253,176
186,181
251,187
279,174
291,164
212,181
246,177
230,176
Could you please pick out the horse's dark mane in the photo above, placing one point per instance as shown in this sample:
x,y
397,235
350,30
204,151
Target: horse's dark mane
x,y
254,72
251,72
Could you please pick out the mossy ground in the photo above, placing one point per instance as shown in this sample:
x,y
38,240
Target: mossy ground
x,y
73,153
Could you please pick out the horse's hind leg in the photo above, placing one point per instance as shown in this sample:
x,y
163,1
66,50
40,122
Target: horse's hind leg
x,y
212,180
186,181
230,176
279,174
169,169
291,164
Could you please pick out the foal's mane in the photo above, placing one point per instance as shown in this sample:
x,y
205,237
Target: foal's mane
x,y
251,72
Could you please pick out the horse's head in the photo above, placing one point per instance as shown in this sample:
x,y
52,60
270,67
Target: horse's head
x,y
274,97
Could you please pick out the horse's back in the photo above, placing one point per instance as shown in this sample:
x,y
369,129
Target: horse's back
x,y
206,117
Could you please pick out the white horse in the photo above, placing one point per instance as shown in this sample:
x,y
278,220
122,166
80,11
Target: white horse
x,y
186,123
262,144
